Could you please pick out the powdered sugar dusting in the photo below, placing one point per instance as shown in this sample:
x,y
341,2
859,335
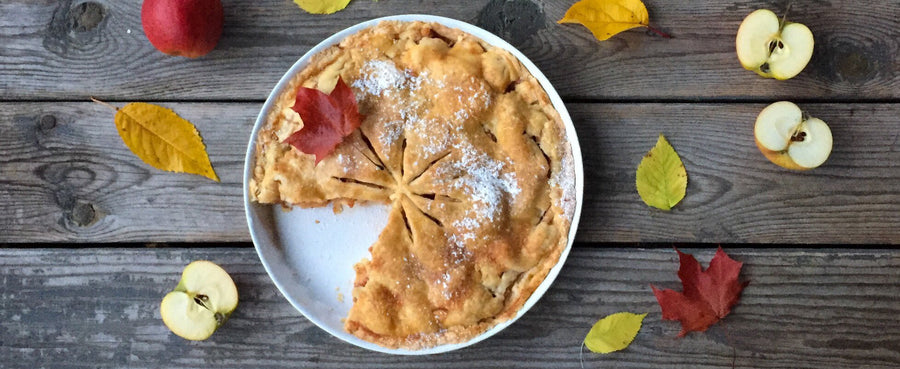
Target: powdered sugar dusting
x,y
344,161
564,178
484,182
391,133
381,76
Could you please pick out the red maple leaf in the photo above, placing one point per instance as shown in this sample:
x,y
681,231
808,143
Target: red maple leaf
x,y
327,119
707,295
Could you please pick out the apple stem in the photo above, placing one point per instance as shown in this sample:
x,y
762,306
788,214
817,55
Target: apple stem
x,y
104,104
784,17
658,32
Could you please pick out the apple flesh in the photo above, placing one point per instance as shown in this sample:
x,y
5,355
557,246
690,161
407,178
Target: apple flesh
x,y
772,48
188,28
201,303
789,140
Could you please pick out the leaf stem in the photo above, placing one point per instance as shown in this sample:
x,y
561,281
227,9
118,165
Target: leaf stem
x,y
581,355
104,104
730,343
658,32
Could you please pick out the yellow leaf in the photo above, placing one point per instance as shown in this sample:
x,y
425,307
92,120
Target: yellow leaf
x,y
606,18
661,178
163,139
322,6
614,332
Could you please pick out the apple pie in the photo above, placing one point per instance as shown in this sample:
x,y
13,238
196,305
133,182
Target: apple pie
x,y
464,145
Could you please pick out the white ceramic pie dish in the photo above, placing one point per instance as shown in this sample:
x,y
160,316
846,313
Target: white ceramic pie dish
x,y
310,253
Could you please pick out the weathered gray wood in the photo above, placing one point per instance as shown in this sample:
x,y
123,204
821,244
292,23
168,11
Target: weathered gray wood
x,y
58,50
735,194
802,309
67,177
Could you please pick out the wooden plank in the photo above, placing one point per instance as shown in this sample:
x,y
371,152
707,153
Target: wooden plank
x,y
56,50
66,177
735,194
802,309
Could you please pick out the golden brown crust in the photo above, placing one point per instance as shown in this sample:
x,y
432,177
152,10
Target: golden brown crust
x,y
466,147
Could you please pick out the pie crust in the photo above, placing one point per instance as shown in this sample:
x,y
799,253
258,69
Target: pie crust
x,y
464,145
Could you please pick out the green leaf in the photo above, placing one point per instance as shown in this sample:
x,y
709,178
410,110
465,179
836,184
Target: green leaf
x,y
661,178
614,332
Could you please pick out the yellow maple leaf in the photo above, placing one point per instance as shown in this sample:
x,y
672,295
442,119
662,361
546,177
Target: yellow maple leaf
x,y
162,139
661,179
606,18
614,332
322,6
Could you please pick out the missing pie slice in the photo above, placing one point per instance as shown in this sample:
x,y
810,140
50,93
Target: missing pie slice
x,y
464,145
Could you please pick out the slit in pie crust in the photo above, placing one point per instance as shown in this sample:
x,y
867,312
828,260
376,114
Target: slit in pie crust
x,y
464,145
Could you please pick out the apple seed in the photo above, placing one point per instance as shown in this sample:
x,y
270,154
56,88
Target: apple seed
x,y
202,300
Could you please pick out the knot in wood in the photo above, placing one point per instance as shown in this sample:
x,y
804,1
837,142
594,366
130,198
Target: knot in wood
x,y
46,123
514,20
853,66
74,26
75,211
86,16
850,60
83,214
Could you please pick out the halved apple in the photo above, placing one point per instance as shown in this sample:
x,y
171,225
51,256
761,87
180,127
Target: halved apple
x,y
201,303
789,140
771,47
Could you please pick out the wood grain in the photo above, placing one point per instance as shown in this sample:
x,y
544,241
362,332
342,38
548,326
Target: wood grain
x,y
734,194
67,177
67,180
802,309
58,50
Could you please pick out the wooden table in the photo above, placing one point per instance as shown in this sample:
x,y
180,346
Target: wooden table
x,y
93,238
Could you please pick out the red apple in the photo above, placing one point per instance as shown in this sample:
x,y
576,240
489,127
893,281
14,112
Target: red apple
x,y
188,28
